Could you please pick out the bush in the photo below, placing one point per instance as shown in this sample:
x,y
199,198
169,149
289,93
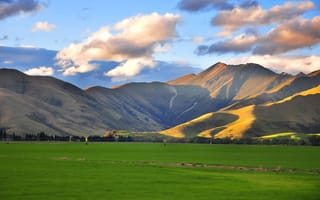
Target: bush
x,y
314,140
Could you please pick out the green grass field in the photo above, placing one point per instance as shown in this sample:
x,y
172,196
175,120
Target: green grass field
x,y
152,171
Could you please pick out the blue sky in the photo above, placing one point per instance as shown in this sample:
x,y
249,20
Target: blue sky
x,y
281,35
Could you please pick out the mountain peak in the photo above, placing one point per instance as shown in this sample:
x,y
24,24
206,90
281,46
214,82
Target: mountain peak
x,y
218,65
254,66
300,74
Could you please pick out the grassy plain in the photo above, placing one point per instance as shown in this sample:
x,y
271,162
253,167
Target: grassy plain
x,y
153,171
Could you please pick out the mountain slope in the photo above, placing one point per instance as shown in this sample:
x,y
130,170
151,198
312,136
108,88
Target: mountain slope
x,y
234,82
297,113
291,86
156,105
248,84
30,104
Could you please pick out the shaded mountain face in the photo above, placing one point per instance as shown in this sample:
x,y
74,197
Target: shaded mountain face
x,y
33,104
153,106
290,85
30,104
224,100
300,114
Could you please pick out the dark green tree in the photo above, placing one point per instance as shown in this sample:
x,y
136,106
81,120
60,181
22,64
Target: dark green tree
x,y
314,140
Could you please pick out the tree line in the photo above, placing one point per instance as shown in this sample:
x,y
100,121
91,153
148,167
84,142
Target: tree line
x,y
313,140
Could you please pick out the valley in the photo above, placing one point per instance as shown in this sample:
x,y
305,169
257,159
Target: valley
x,y
150,170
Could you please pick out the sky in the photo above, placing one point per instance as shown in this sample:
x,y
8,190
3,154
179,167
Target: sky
x,y
77,37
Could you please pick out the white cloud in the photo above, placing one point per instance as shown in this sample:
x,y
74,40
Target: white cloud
x,y
136,38
7,62
43,26
40,71
131,67
27,46
294,34
289,64
240,43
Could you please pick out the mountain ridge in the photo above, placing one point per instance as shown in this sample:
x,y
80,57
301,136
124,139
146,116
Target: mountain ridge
x,y
30,104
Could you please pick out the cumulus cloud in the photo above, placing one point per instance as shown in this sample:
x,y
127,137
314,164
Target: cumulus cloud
x,y
15,7
43,26
40,71
132,42
131,67
289,64
291,35
238,17
239,44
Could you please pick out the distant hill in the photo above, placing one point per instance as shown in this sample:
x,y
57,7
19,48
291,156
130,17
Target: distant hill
x,y
236,101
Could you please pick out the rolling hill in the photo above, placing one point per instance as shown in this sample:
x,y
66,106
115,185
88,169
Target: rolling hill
x,y
245,100
297,113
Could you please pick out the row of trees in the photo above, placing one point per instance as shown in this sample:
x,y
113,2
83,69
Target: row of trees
x,y
42,136
114,137
313,140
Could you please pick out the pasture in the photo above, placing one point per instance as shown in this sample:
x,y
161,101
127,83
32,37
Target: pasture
x,y
154,171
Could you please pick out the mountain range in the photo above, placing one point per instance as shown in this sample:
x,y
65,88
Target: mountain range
x,y
234,101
